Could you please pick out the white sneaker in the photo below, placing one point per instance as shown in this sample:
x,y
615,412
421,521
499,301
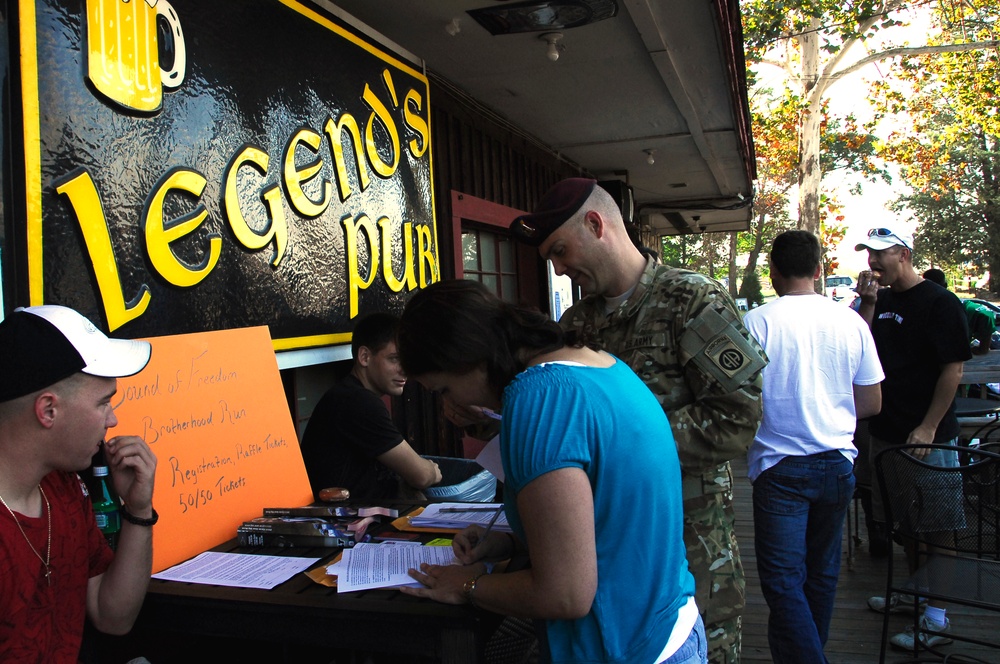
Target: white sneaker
x,y
898,603
904,640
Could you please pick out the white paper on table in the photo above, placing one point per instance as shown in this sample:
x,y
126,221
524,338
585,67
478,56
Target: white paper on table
x,y
367,566
489,458
339,567
459,515
240,570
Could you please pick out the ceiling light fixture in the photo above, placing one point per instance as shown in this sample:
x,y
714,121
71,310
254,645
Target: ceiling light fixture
x,y
650,159
453,28
542,15
553,39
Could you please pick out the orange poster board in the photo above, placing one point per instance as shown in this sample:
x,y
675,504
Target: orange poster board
x,y
212,408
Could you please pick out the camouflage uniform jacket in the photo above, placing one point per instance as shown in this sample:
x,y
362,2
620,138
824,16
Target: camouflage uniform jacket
x,y
681,334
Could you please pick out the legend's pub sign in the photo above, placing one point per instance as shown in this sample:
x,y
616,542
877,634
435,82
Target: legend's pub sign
x,y
193,166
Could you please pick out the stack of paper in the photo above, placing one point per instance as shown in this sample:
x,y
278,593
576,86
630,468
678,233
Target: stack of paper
x,y
457,516
369,566
236,570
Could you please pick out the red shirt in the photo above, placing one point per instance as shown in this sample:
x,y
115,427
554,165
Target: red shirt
x,y
41,622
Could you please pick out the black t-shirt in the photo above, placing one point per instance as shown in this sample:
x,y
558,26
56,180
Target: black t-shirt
x,y
349,428
915,332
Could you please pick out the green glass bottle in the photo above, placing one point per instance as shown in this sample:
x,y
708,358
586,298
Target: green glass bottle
x,y
105,501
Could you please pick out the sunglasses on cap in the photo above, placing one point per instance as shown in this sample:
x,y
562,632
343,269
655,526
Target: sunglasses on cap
x,y
887,232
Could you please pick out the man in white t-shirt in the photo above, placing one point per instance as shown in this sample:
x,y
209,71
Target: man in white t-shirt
x,y
824,374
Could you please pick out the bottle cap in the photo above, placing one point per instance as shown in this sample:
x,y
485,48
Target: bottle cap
x,y
98,463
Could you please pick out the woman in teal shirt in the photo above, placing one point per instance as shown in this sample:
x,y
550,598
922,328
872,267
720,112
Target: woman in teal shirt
x,y
591,491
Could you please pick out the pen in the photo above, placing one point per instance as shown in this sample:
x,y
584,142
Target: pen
x,y
489,526
468,509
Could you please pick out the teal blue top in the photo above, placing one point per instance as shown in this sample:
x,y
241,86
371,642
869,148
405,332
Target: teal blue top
x,y
607,422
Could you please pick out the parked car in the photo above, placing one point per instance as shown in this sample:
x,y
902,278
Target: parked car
x,y
841,288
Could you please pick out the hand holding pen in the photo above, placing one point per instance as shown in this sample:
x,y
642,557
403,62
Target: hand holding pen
x,y
473,544
463,416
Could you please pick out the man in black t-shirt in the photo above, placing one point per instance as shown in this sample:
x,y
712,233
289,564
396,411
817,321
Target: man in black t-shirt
x,y
350,440
922,339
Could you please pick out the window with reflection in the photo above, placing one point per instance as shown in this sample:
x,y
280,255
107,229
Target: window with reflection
x,y
489,258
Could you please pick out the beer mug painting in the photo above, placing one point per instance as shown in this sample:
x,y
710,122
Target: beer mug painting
x,y
123,51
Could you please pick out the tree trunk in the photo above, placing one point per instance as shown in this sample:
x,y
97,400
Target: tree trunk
x,y
993,231
991,195
753,256
732,264
809,171
758,245
710,246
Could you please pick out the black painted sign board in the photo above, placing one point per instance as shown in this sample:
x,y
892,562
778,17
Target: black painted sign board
x,y
194,166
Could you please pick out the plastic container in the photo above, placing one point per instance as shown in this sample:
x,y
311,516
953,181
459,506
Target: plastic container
x,y
462,481
104,499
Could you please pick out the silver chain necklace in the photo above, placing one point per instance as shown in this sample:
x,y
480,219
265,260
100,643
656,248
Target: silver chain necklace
x,y
48,546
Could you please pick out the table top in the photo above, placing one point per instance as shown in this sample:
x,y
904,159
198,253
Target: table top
x,y
976,407
982,369
303,611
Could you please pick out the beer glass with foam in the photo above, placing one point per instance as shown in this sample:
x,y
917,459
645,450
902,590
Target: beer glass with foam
x,y
123,51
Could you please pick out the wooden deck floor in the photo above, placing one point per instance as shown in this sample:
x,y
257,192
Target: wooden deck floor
x,y
856,631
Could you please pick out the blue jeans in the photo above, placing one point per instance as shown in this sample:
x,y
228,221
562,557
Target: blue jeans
x,y
799,506
694,650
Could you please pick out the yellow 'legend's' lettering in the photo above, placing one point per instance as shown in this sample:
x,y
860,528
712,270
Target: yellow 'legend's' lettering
x,y
83,196
308,194
160,234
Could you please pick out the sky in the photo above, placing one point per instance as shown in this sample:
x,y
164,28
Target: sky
x,y
862,213
870,209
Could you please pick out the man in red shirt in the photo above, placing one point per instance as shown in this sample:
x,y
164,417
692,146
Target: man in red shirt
x,y
57,379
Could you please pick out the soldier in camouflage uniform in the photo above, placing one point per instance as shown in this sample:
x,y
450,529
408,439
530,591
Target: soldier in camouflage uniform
x,y
681,333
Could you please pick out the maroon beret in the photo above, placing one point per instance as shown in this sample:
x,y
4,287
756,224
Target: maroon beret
x,y
558,204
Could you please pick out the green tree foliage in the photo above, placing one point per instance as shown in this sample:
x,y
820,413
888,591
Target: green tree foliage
x,y
751,290
949,151
833,231
683,251
774,122
811,42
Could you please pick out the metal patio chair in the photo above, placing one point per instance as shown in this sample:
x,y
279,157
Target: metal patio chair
x,y
951,516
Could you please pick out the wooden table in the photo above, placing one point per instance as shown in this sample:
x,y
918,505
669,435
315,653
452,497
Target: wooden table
x,y
976,407
977,416
302,613
982,369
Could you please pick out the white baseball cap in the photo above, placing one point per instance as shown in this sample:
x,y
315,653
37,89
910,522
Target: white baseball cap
x,y
883,238
44,344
